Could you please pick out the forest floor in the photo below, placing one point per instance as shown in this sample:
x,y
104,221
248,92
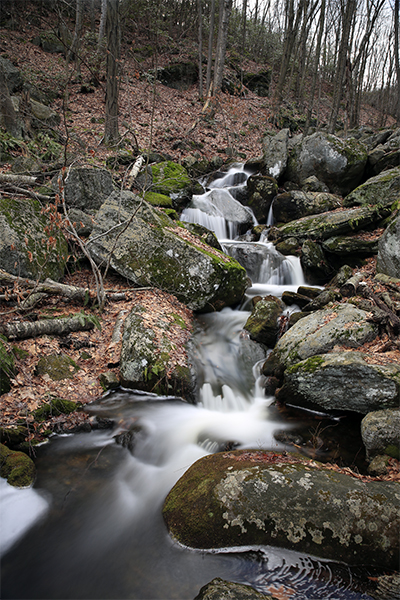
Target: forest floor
x,y
152,117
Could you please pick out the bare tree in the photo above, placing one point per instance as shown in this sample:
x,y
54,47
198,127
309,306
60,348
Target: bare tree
x,y
224,18
200,13
210,47
113,54
396,55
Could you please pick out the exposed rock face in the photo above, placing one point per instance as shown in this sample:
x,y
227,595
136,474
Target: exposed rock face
x,y
275,151
151,358
389,250
86,188
27,247
148,248
263,324
383,189
338,163
342,381
380,432
296,204
253,497
179,76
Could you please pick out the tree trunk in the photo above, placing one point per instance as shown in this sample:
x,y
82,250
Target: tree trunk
x,y
102,26
316,67
27,329
396,55
113,54
210,47
8,116
225,16
73,51
200,12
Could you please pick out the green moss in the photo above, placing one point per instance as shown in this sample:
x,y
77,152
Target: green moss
x,y
393,451
56,407
58,367
158,199
309,365
7,367
16,467
170,178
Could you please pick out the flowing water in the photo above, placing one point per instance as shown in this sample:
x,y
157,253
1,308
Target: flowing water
x,y
92,524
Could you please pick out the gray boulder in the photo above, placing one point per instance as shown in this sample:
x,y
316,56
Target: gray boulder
x,y
350,246
86,188
154,354
385,155
12,74
338,163
263,324
341,381
315,265
383,189
251,497
275,153
321,331
220,203
296,204
261,192
380,431
170,179
149,249
29,247
388,261
313,184
218,589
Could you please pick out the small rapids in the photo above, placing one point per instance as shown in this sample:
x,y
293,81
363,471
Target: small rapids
x,y
92,524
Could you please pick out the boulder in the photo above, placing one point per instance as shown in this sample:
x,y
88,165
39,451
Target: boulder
x,y
388,261
179,76
16,467
329,224
29,245
296,204
258,82
380,431
263,324
321,331
86,188
252,497
338,163
14,79
383,190
57,367
220,203
44,115
275,153
170,179
316,267
351,246
385,155
313,184
341,381
219,589
148,248
154,354
261,192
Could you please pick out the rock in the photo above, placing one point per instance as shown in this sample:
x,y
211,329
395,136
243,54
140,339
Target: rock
x,y
296,204
154,354
44,114
388,261
387,587
263,324
316,267
324,298
54,408
313,184
320,332
350,246
7,366
251,497
170,179
329,224
341,381
256,259
82,222
108,380
258,82
86,188
57,367
219,202
179,76
290,298
344,273
152,250
275,150
158,199
378,466
29,245
14,79
261,191
338,163
383,190
385,155
380,431
218,589
16,467
50,42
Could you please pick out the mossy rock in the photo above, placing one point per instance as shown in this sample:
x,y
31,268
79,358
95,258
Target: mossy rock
x,y
57,367
16,467
54,408
262,324
383,189
171,179
7,366
158,199
13,436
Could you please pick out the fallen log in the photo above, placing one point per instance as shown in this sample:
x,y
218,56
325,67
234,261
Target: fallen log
x,y
17,179
26,329
47,287
349,288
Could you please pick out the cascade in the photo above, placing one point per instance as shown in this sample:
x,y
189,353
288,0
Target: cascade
x,y
97,505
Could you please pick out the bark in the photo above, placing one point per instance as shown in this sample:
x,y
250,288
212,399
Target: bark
x,y
17,179
113,54
225,16
8,115
349,288
316,67
210,47
22,330
72,53
200,13
396,55
102,26
48,287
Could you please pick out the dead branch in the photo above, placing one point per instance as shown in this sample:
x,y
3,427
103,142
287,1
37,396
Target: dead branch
x,y
349,288
17,179
24,192
47,287
21,330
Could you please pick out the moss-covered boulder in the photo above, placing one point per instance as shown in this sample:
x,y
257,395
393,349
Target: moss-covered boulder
x,y
258,82
158,200
251,497
351,246
154,354
388,261
316,266
329,224
337,162
263,324
342,381
380,431
30,246
16,467
7,366
149,249
296,204
383,189
320,332
170,179
57,367
219,589
261,191
54,408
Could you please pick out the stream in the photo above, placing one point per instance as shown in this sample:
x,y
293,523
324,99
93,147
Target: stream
x,y
92,524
